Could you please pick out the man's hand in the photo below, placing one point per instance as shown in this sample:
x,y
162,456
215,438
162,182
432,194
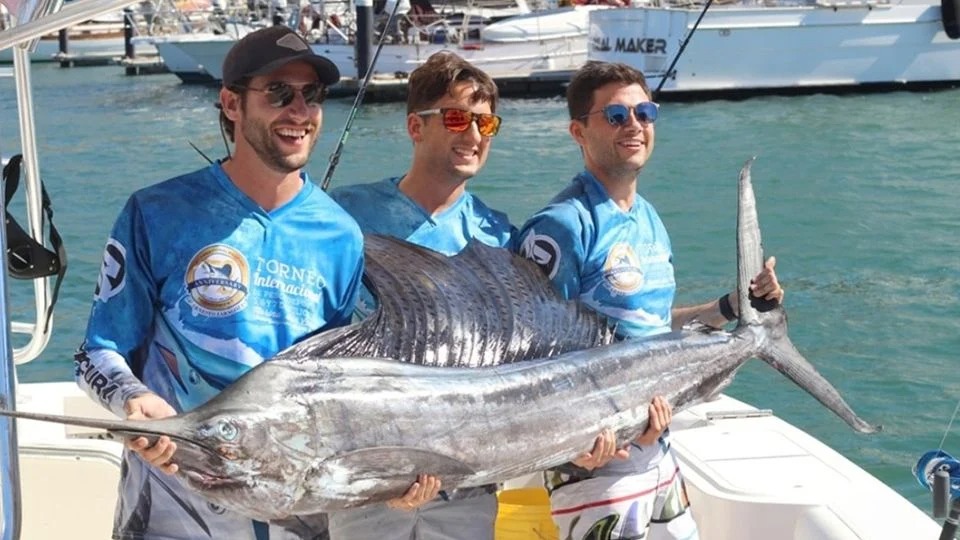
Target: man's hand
x,y
765,284
424,490
604,449
159,454
659,418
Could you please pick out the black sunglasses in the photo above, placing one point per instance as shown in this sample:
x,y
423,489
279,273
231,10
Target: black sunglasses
x,y
619,115
280,94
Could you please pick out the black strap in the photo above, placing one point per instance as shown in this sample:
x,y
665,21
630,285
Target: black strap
x,y
27,258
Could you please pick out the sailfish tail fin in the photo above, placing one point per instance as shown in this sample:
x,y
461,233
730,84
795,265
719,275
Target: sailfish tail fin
x,y
749,245
776,348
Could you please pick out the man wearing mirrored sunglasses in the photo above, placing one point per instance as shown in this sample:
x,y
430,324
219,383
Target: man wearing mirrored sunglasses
x,y
601,242
451,121
211,273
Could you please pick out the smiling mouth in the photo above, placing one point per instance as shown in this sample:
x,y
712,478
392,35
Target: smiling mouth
x,y
295,135
466,153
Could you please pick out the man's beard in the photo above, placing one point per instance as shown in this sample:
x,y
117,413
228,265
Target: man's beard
x,y
261,140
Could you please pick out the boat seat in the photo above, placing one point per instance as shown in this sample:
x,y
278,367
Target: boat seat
x,y
68,481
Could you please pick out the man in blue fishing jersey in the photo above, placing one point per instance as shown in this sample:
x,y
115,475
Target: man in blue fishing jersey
x,y
602,243
209,274
451,121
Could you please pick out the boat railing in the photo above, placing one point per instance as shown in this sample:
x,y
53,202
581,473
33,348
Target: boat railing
x,y
38,328
850,4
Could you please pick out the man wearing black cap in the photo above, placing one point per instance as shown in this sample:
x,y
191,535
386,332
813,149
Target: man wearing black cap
x,y
211,273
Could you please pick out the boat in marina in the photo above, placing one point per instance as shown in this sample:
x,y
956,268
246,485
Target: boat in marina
x,y
785,47
542,40
173,50
152,22
749,474
91,38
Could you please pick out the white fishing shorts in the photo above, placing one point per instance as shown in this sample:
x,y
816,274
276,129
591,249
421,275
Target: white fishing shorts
x,y
651,506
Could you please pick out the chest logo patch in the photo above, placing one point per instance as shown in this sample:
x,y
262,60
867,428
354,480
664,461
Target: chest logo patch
x,y
621,270
218,280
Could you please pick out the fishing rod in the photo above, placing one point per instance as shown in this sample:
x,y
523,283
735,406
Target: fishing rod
x,y
210,161
335,156
683,46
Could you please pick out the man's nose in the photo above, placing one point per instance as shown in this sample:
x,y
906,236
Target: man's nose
x,y
474,130
299,103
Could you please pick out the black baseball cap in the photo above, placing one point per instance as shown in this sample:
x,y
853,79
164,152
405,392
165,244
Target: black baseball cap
x,y
267,49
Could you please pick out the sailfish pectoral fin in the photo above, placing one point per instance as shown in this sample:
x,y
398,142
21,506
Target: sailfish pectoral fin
x,y
396,467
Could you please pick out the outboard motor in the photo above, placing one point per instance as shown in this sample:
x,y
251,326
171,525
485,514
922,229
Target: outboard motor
x,y
939,472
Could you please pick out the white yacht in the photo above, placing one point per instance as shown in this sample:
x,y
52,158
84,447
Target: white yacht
x,y
783,46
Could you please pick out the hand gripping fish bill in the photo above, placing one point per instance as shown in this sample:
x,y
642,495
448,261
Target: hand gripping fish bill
x,y
326,425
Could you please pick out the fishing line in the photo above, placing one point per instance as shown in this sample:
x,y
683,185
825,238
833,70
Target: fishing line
x,y
683,46
199,151
949,425
335,156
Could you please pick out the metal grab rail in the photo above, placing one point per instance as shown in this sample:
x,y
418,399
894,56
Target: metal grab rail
x,y
9,460
38,330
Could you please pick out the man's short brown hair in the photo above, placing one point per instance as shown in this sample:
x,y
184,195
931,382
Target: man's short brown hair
x,y
594,75
437,77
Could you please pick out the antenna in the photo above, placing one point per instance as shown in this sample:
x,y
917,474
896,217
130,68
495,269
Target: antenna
x,y
683,46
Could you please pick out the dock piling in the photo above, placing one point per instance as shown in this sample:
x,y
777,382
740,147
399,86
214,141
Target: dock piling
x,y
364,36
63,43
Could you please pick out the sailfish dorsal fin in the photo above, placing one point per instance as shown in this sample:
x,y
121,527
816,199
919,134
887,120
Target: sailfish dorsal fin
x,y
484,306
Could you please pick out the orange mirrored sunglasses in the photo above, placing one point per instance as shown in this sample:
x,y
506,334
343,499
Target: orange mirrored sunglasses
x,y
459,120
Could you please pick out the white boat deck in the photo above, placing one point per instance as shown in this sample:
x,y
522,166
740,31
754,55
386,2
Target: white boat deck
x,y
752,476
68,484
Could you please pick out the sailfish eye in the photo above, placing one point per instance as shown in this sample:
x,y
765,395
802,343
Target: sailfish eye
x,y
227,431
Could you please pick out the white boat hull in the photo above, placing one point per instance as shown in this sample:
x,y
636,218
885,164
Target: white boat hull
x,y
803,47
495,58
48,49
517,46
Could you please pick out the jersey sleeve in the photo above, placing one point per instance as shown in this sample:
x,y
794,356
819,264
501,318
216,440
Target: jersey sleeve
x,y
126,295
553,238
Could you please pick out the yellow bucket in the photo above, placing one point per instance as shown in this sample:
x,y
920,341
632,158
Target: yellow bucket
x,y
524,514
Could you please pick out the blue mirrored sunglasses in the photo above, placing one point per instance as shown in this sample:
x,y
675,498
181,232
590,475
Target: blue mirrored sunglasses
x,y
618,115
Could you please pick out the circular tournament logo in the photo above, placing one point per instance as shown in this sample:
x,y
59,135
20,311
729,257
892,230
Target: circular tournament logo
x,y
217,280
621,270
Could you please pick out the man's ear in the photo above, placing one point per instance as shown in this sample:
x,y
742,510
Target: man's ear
x,y
576,131
230,104
415,127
